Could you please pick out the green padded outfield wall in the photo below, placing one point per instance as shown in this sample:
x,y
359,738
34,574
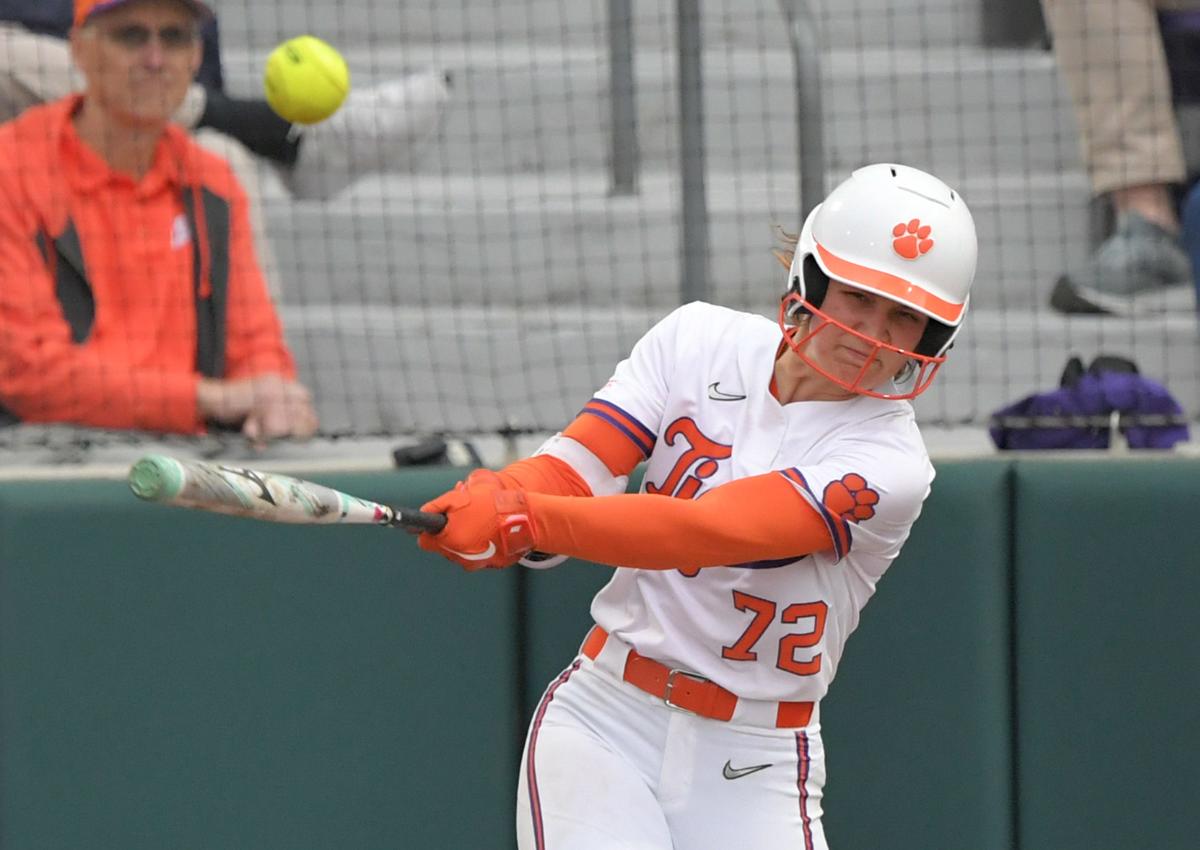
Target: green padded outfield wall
x,y
1108,675
556,606
171,679
174,679
917,724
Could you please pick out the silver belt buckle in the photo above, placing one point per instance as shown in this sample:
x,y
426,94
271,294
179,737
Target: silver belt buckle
x,y
671,686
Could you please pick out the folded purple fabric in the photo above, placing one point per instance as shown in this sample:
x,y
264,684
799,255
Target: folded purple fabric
x,y
1079,414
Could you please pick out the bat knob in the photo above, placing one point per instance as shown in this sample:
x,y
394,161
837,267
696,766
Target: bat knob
x,y
155,477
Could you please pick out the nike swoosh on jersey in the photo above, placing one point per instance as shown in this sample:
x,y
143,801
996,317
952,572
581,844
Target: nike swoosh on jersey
x,y
477,556
731,772
716,394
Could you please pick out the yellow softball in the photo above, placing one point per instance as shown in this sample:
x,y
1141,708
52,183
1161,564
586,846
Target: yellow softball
x,y
306,80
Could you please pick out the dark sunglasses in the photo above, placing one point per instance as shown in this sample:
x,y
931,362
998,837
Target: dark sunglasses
x,y
137,36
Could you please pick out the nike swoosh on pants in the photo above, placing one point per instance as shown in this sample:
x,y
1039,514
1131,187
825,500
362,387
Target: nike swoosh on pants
x,y
731,772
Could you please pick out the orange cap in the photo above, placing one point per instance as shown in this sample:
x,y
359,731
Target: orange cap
x,y
84,9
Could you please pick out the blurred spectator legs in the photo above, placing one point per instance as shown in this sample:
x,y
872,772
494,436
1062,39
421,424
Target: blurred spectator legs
x,y
1111,56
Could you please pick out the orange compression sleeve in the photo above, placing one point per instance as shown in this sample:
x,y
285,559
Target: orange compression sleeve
x,y
752,519
603,438
549,474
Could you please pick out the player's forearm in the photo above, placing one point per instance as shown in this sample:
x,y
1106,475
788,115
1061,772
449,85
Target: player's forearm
x,y
753,519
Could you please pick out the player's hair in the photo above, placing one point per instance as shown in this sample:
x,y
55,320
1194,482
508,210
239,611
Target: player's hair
x,y
790,242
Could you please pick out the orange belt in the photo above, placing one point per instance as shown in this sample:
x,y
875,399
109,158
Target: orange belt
x,y
689,691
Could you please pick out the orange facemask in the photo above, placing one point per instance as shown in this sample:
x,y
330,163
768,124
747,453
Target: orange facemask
x,y
923,367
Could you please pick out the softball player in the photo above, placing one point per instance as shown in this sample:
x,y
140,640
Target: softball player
x,y
690,718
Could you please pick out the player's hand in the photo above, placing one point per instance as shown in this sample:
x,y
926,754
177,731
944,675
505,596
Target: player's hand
x,y
487,527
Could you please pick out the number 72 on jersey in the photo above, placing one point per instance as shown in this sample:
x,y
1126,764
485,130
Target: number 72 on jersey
x,y
764,611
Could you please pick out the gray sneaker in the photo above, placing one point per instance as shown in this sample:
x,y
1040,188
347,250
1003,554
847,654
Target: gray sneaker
x,y
1140,269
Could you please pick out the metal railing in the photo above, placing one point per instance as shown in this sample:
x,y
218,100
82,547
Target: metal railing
x,y
806,44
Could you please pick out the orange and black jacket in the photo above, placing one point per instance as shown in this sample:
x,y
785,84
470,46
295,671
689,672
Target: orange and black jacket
x,y
116,295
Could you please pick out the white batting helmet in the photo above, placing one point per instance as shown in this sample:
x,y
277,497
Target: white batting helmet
x,y
897,232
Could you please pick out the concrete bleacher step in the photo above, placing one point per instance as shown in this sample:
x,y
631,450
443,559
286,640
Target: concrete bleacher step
x,y
520,108
967,108
375,369
563,239
519,174
962,111
1005,355
733,22
393,370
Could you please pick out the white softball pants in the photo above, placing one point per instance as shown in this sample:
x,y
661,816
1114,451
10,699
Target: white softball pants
x,y
607,766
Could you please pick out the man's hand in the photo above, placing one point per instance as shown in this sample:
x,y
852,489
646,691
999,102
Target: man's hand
x,y
268,407
487,527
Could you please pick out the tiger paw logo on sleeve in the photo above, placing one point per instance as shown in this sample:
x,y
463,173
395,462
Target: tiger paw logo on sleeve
x,y
851,498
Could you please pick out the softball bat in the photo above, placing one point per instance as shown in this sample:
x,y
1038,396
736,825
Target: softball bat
x,y
265,496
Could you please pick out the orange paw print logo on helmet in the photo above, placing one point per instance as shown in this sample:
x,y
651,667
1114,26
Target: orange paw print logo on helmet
x,y
850,498
912,239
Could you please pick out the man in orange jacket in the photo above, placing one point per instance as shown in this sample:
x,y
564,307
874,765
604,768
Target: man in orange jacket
x,y
130,294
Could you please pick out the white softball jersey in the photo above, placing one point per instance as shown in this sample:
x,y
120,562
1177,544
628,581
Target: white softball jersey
x,y
695,397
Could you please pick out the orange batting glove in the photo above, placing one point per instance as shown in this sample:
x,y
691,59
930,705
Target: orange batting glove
x,y
487,527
